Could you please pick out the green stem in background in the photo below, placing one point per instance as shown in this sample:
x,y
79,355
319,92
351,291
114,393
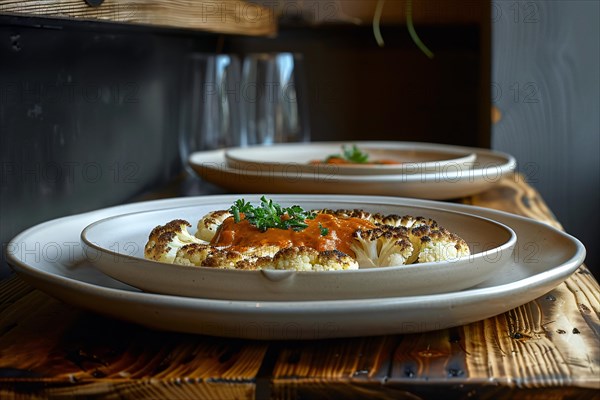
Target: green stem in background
x,y
376,19
413,33
409,25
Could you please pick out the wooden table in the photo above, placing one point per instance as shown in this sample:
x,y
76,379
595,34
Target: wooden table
x,y
546,349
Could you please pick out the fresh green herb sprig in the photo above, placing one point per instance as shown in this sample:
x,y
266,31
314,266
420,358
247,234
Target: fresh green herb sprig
x,y
353,154
324,231
271,215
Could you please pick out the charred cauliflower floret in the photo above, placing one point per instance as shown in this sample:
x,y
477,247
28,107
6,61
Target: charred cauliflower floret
x,y
381,247
208,225
193,254
356,213
434,245
208,256
223,258
254,264
291,258
309,259
165,240
410,222
260,251
405,221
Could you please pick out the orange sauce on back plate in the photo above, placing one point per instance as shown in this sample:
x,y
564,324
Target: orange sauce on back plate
x,y
342,161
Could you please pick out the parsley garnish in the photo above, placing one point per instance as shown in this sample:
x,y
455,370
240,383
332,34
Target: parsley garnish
x,y
271,215
324,231
353,155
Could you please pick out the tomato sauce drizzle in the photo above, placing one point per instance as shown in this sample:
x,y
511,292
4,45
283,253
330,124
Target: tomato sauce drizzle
x,y
338,236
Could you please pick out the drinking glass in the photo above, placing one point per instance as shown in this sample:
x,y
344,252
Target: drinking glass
x,y
274,96
211,111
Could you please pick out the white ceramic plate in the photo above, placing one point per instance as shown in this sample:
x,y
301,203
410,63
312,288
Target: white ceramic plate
x,y
488,168
50,256
116,247
411,158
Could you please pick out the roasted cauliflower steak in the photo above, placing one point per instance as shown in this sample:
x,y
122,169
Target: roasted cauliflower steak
x,y
394,240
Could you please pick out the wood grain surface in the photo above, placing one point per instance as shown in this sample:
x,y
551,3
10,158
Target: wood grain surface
x,y
546,349
224,16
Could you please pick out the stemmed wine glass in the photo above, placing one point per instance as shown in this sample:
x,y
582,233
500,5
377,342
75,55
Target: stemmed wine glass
x,y
211,109
274,96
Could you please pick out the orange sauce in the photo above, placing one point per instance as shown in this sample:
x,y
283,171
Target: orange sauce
x,y
343,161
339,235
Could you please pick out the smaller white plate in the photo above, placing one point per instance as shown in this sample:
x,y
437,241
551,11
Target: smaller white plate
x,y
115,246
411,159
488,168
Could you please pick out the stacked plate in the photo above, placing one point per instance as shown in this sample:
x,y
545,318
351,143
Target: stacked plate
x,y
95,260
418,170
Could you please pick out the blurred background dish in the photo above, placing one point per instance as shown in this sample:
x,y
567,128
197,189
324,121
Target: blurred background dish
x,y
489,167
383,158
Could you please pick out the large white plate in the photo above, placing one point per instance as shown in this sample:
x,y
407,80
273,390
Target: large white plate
x,y
488,168
411,158
116,247
50,257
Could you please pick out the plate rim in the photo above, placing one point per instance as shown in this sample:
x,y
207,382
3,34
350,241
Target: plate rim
x,y
27,270
490,166
218,163
213,316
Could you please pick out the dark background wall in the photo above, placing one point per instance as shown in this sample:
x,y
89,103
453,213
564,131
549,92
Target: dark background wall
x,y
88,116
358,90
546,84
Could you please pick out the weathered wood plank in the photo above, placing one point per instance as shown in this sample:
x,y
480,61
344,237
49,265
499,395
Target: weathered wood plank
x,y
349,359
335,390
76,346
69,352
307,369
431,357
514,195
138,390
12,290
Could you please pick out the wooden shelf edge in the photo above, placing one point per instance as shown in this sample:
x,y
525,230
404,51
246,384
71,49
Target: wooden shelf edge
x,y
226,17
